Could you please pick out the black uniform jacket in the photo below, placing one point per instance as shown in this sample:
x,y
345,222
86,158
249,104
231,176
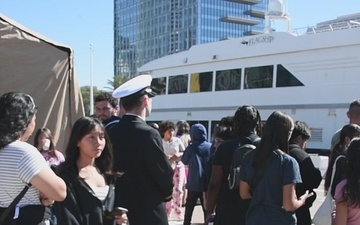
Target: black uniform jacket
x,y
111,122
148,176
81,206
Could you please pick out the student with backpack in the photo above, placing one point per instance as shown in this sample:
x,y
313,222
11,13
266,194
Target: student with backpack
x,y
230,208
269,175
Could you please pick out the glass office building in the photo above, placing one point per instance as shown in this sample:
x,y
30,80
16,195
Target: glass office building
x,y
145,30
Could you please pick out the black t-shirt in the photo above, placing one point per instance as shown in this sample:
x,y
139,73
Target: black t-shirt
x,y
230,208
224,153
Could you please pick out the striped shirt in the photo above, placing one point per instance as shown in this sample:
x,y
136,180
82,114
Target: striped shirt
x,y
19,163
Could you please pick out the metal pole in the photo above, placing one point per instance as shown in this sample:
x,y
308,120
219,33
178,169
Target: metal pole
x,y
91,81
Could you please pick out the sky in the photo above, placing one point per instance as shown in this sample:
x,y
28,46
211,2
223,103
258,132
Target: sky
x,y
81,23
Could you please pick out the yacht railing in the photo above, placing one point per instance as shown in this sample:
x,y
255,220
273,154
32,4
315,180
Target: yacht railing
x,y
342,25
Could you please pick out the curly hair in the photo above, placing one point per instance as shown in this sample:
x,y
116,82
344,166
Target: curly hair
x,y
164,126
246,118
105,96
16,111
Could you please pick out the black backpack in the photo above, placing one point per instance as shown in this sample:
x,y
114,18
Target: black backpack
x,y
245,146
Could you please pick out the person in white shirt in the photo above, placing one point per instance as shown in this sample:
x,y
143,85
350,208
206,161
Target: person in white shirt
x,y
174,148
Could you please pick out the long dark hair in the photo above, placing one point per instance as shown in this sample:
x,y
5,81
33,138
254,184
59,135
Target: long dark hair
x,y
82,127
48,133
246,118
350,131
276,133
183,127
351,190
16,111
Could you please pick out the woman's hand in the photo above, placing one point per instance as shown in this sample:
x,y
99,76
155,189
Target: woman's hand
x,y
45,201
52,186
305,196
121,219
290,201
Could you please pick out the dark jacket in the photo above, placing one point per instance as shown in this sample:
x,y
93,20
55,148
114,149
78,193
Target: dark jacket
x,y
148,177
196,156
81,206
311,176
311,179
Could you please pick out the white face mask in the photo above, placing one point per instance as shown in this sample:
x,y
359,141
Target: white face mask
x,y
46,145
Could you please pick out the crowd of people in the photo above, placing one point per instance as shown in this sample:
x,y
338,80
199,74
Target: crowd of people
x,y
117,168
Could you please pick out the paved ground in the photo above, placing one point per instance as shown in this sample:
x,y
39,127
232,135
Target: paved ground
x,y
319,199
197,218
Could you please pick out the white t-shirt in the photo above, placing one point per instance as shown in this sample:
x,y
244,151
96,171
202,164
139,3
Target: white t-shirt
x,y
101,192
173,147
19,163
186,139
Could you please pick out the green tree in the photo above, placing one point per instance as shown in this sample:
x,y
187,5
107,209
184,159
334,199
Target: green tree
x,y
85,92
116,82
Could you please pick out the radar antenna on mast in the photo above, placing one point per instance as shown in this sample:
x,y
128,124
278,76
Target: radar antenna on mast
x,y
276,11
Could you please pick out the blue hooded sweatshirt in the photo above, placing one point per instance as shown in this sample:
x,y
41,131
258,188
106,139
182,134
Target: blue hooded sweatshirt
x,y
196,156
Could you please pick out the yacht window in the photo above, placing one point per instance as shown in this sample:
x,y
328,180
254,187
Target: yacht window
x,y
201,82
228,80
258,77
285,78
178,84
159,85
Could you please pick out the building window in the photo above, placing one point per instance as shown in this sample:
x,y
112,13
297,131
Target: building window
x,y
178,84
228,80
201,82
285,78
258,77
159,85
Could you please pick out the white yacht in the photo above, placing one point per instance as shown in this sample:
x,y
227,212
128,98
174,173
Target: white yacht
x,y
312,77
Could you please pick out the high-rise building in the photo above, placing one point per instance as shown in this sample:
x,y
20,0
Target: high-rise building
x,y
145,30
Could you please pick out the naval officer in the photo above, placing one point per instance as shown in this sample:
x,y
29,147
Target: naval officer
x,y
148,177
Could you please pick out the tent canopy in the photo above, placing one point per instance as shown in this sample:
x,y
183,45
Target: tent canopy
x,y
36,65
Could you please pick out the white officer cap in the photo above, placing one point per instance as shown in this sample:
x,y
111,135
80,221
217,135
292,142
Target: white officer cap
x,y
136,87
